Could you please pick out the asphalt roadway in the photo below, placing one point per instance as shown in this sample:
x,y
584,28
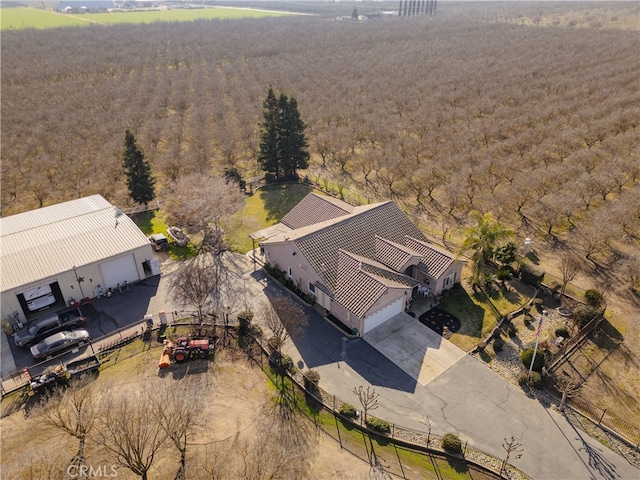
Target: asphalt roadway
x,y
467,398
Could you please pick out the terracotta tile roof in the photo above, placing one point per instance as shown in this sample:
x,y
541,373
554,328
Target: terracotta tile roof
x,y
395,255
314,209
434,261
357,291
354,233
360,253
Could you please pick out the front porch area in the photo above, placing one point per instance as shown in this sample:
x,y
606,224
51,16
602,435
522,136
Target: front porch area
x,y
421,304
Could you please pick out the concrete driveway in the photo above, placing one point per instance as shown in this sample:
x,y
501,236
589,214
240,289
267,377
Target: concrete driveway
x,y
416,349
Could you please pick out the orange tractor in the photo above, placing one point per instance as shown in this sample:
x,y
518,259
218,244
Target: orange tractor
x,y
185,349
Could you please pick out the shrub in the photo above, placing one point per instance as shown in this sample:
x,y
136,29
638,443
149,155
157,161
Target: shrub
x,y
504,274
311,380
348,410
482,346
593,298
562,332
583,314
534,380
498,344
526,357
451,443
378,425
286,363
530,275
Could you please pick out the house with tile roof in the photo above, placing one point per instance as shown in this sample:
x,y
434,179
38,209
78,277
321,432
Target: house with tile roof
x,y
363,264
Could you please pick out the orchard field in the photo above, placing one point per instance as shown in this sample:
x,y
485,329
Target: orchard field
x,y
526,110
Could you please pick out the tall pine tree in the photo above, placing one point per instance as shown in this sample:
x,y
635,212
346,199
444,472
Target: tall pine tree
x,y
293,147
283,144
139,180
268,158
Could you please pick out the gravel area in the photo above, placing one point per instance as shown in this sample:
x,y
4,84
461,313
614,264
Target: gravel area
x,y
507,363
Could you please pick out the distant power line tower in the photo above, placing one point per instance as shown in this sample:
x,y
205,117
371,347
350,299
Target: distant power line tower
x,y
417,7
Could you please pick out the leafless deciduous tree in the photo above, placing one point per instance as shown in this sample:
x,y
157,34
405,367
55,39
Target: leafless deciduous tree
x,y
514,450
569,267
179,414
368,399
200,203
197,283
568,386
72,411
128,428
284,318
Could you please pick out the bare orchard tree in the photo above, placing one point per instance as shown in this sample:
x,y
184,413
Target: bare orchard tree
x,y
45,464
368,399
266,458
128,428
179,414
569,266
569,386
284,318
200,203
197,283
72,411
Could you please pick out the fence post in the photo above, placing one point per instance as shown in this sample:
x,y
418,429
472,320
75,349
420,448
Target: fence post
x,y
602,416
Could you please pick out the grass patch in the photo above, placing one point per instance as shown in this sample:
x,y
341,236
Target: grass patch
x,y
475,314
264,208
155,221
25,18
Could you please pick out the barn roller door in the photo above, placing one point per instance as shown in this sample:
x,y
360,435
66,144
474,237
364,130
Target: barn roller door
x,y
119,270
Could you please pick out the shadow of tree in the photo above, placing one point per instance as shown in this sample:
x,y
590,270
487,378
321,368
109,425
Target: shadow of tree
x,y
279,199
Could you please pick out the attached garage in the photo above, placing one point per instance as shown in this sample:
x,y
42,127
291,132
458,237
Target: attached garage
x,y
384,314
67,252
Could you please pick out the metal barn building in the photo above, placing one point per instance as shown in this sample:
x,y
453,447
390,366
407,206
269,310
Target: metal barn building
x,y
57,255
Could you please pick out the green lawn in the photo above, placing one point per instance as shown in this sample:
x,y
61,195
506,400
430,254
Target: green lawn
x,y
22,18
476,314
264,208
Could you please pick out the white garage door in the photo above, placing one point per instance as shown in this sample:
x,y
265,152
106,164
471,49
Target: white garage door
x,y
383,315
118,271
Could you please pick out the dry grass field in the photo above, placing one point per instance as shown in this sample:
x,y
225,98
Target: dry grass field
x,y
235,396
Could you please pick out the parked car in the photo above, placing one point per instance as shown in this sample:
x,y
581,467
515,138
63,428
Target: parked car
x,y
45,326
159,242
59,342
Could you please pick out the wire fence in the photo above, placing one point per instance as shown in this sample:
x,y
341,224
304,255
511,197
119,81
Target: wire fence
x,y
123,345
428,442
603,418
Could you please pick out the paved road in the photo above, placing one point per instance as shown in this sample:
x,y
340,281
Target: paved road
x,y
468,399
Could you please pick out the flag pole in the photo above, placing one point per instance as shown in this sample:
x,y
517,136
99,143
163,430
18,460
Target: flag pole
x,y
535,350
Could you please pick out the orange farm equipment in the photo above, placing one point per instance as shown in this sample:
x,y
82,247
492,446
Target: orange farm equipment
x,y
185,349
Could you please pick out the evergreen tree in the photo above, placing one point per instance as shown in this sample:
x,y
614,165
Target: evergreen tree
x,y
139,180
293,147
283,144
268,154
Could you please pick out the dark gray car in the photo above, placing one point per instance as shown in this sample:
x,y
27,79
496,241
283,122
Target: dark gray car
x,y
59,342
45,326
